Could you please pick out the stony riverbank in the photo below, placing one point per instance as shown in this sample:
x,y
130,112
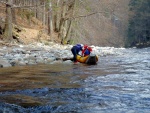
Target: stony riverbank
x,y
39,53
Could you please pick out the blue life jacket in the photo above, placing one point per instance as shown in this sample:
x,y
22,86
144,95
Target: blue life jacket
x,y
87,52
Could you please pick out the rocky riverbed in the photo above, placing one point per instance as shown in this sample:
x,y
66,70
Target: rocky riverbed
x,y
40,53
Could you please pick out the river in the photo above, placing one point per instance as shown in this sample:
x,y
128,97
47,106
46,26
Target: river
x,y
117,84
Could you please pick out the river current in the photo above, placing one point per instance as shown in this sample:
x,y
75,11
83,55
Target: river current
x,y
119,83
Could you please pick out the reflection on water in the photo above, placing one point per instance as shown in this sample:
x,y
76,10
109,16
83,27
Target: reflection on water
x,y
118,83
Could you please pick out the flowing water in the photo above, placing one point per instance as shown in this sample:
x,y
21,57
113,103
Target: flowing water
x,y
118,83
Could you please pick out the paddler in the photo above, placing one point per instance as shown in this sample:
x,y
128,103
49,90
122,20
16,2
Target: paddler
x,y
86,50
75,50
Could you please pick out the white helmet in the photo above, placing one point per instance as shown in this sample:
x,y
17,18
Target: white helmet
x,y
82,45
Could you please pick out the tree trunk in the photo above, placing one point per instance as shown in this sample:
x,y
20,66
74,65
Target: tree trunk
x,y
14,15
50,22
44,10
56,17
8,24
62,22
72,7
36,9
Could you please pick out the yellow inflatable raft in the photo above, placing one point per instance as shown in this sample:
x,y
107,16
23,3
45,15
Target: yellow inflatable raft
x,y
90,59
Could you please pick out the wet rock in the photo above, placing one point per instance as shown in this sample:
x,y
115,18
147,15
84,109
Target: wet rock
x,y
18,50
39,60
1,65
32,62
57,62
49,60
13,63
22,63
4,63
32,57
68,62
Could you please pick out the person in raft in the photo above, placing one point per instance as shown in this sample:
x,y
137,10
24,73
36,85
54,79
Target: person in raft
x,y
86,50
75,50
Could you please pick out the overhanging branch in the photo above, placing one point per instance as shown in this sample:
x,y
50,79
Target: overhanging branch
x,y
82,16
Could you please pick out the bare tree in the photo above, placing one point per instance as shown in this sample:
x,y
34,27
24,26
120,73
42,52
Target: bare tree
x,y
70,21
50,22
8,24
56,16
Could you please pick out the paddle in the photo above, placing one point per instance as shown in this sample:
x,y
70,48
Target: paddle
x,y
64,59
67,58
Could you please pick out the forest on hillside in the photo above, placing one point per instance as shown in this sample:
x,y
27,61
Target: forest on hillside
x,y
100,22
139,23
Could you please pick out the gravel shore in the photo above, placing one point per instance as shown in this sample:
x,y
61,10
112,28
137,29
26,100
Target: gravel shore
x,y
39,53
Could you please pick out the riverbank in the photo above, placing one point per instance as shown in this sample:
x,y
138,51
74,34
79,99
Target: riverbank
x,y
39,53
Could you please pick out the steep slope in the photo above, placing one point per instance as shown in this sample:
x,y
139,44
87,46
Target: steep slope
x,y
104,24
108,26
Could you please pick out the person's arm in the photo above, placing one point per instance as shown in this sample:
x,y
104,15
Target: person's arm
x,y
82,52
